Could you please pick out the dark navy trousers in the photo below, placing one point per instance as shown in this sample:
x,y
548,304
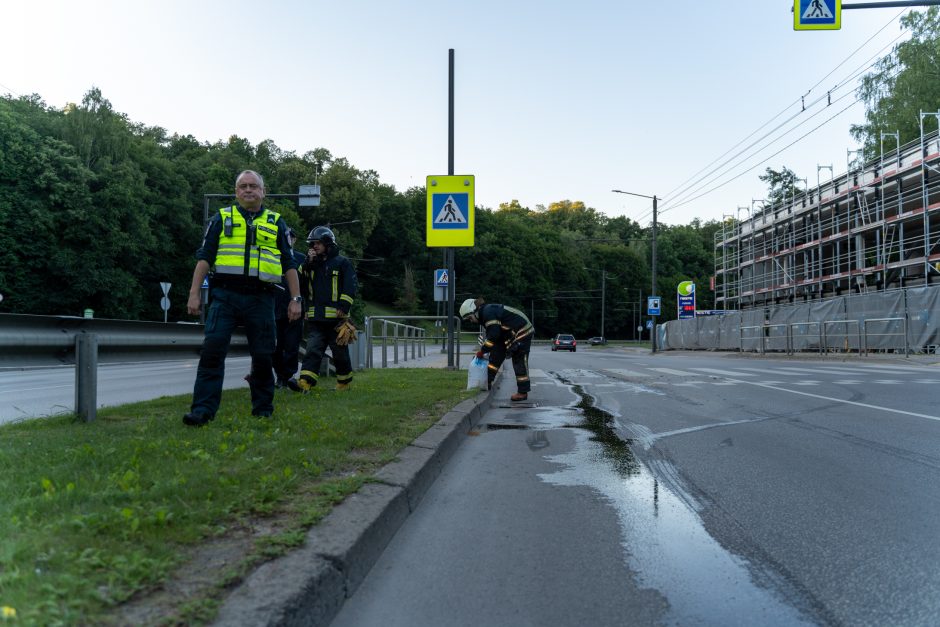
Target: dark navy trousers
x,y
228,309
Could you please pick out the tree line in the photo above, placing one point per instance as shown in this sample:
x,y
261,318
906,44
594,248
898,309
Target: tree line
x,y
96,210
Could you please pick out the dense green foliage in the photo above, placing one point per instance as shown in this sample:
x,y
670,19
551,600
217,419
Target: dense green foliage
x,y
97,210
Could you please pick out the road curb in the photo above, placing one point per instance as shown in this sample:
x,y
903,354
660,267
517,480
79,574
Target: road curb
x,y
309,585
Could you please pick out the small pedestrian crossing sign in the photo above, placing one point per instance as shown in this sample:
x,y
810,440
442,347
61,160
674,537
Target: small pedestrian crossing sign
x,y
817,14
450,220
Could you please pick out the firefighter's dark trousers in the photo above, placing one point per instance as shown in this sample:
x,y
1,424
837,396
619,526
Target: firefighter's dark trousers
x,y
321,334
519,353
228,309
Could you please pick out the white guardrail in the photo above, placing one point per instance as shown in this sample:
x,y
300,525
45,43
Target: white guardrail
x,y
27,340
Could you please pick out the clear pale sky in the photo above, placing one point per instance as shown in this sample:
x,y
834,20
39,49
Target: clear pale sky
x,y
554,100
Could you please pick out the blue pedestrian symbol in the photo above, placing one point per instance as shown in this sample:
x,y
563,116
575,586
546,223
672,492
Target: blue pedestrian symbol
x,y
450,211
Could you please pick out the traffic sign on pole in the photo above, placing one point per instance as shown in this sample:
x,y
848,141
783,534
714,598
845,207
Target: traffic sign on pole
x,y
817,14
450,216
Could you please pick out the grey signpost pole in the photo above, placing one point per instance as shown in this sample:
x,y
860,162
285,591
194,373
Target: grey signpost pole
x,y
653,261
86,376
449,251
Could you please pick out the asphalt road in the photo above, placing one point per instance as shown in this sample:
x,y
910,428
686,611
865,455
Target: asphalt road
x,y
687,489
38,392
47,391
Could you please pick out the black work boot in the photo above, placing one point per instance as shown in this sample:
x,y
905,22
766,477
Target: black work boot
x,y
194,419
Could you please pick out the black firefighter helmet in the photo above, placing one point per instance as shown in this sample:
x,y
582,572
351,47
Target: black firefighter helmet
x,y
322,234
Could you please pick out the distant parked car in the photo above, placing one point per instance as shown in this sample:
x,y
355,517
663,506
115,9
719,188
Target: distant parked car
x,y
564,342
597,341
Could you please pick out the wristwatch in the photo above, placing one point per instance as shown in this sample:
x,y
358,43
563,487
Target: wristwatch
x,y
297,299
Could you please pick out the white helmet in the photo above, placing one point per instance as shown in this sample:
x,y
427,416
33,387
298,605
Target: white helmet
x,y
468,307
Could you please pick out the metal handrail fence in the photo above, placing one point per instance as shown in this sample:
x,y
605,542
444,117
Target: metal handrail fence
x,y
846,345
793,325
760,345
902,333
413,337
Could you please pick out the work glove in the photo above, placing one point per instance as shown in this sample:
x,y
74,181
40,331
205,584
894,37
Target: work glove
x,y
345,332
480,355
480,339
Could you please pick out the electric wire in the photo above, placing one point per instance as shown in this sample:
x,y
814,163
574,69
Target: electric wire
x,y
669,197
733,162
684,198
787,107
679,195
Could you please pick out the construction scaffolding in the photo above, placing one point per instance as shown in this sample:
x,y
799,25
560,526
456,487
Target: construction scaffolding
x,y
874,229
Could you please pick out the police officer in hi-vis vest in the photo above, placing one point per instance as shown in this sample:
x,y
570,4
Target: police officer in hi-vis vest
x,y
246,248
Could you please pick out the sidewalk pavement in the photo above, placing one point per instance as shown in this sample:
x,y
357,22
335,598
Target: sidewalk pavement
x,y
308,586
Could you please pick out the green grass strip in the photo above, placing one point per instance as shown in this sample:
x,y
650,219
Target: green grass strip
x,y
95,514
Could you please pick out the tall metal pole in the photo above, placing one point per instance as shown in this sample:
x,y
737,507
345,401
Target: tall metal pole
x,y
653,253
655,291
449,252
603,299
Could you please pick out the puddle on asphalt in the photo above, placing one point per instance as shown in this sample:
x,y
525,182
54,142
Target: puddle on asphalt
x,y
664,540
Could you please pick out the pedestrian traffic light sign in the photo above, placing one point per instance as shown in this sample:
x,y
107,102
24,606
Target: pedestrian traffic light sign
x,y
817,14
450,218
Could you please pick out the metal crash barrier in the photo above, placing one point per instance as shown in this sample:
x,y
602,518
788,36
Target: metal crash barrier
x,y
27,340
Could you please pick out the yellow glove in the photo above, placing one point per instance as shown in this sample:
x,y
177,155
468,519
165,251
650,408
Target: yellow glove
x,y
345,332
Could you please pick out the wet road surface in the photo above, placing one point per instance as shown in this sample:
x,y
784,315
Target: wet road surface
x,y
680,489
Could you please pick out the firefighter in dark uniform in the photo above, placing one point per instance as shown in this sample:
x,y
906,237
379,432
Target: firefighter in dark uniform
x,y
246,247
328,285
507,331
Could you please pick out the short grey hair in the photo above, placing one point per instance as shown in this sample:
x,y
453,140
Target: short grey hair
x,y
244,172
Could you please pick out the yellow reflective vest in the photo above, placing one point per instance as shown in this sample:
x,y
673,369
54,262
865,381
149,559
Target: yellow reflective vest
x,y
249,250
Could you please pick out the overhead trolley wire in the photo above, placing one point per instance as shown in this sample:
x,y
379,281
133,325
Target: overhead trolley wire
x,y
679,195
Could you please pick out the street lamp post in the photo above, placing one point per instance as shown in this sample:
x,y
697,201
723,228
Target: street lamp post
x,y
653,263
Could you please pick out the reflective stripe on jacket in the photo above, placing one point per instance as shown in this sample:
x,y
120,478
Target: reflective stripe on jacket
x,y
503,324
329,287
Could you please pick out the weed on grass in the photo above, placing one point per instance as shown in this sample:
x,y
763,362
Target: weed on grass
x,y
97,514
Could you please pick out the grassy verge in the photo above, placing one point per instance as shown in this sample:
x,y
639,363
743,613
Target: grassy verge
x,y
93,515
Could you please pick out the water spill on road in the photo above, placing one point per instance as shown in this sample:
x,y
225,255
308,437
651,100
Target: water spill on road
x,y
664,540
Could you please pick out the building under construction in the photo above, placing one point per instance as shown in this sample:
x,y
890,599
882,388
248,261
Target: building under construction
x,y
873,229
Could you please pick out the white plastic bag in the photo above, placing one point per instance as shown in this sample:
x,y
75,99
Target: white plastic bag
x,y
476,374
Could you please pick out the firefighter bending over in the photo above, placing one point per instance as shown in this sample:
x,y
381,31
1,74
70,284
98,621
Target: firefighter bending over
x,y
508,332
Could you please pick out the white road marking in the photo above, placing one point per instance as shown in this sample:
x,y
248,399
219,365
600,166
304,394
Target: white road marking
x,y
840,400
726,373
628,373
678,373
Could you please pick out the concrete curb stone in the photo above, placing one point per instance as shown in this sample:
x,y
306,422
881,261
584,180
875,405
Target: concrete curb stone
x,y
308,586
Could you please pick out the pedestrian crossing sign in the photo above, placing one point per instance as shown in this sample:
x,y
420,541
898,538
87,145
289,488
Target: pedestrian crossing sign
x,y
450,215
817,14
